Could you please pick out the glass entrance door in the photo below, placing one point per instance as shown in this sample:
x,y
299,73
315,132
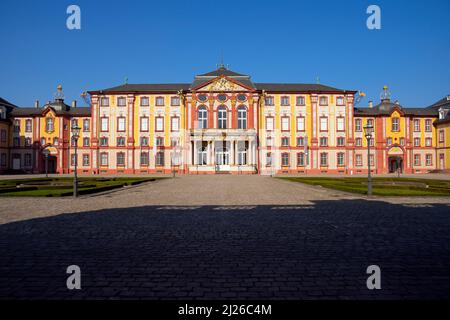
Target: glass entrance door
x,y
223,159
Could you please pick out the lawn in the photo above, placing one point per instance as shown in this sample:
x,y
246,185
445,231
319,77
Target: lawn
x,y
61,187
381,186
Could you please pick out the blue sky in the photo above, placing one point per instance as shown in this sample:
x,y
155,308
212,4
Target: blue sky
x,y
273,41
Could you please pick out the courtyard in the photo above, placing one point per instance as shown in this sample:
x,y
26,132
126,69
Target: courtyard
x,y
239,237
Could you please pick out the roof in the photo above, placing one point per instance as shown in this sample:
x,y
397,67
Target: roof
x,y
222,71
444,102
282,87
156,87
6,103
386,107
74,112
243,79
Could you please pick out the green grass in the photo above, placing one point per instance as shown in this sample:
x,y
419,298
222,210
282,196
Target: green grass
x,y
61,187
381,186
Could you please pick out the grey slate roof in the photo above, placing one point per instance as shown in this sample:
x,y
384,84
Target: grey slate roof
x,y
222,71
385,108
157,87
444,103
74,112
291,87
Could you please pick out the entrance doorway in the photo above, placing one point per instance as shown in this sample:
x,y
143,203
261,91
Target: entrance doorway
x,y
395,165
222,159
51,163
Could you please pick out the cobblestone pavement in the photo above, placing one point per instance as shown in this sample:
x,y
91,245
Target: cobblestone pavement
x,y
224,237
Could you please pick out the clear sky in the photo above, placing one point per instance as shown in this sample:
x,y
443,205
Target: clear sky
x,y
273,41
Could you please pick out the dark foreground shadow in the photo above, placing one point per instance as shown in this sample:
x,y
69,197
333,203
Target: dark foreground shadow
x,y
320,251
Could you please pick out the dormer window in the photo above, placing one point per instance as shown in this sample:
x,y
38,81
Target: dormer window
x,y
2,113
441,114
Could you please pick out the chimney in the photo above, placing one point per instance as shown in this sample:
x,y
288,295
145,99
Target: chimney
x,y
74,103
36,104
370,104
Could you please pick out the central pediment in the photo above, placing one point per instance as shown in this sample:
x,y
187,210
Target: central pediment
x,y
222,79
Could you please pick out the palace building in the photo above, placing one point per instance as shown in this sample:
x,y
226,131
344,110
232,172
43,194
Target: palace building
x,y
223,122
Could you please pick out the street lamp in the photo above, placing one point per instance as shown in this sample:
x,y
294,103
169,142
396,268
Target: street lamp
x,y
46,153
368,131
75,135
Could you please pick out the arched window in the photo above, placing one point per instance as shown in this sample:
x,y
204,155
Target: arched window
x,y
202,118
222,118
242,118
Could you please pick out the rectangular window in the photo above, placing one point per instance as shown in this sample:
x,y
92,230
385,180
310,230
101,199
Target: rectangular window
x,y
358,160
340,159
417,159
103,142
160,159
269,159
323,124
388,141
370,122
300,141
144,159
144,141
323,141
340,124
300,124
159,101
73,160
372,160
285,101
49,125
120,141
175,126
104,121
3,160
3,135
159,124
175,101
103,159
402,141
16,142
144,124
121,159
429,160
358,126
300,101
269,123
441,136
416,125
86,142
324,159
300,159
86,125
27,160
85,160
340,101
340,141
269,101
428,125
27,142
121,124
28,125
144,102
416,142
104,102
285,142
395,124
284,123
121,102
159,141
428,142
269,142
285,159
17,125
358,142
323,101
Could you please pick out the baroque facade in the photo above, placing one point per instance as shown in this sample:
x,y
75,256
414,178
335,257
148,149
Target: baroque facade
x,y
223,122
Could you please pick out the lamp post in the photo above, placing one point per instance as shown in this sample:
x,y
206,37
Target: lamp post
x,y
46,154
75,135
368,131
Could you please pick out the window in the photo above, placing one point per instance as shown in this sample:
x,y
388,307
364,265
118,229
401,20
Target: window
x,y
301,124
104,159
285,159
428,142
43,141
121,124
85,160
416,125
27,160
73,160
3,135
395,124
175,101
372,160
242,118
103,142
27,142
372,142
441,136
160,141
222,118
388,141
323,141
86,125
358,160
160,159
428,125
340,159
85,142
16,142
73,142
241,97
429,160
120,158
120,141
121,102
268,159
174,142
17,125
402,141
49,125
323,101
323,124
324,159
104,122
358,126
175,125
300,101
144,124
285,142
340,101
202,154
55,141
417,159
269,123
104,102
3,160
416,142
144,141
28,125
269,142
159,101
285,101
269,101
340,124
242,153
202,118
300,159
284,123
159,124
300,141
340,141
144,102
144,158
222,97
202,98
370,122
